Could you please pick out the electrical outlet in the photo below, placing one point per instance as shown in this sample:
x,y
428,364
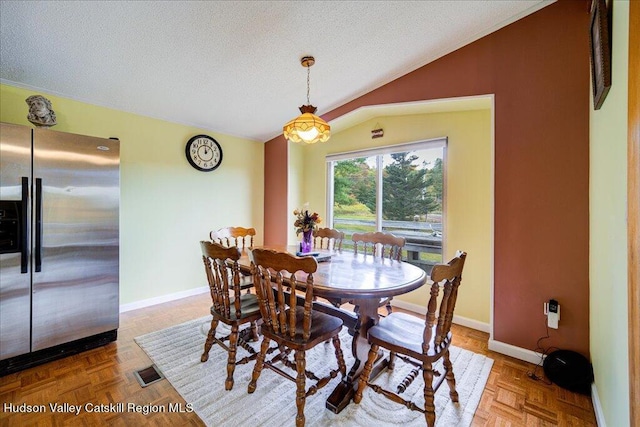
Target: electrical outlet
x,y
552,310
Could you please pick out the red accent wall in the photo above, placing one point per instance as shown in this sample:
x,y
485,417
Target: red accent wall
x,y
275,191
538,69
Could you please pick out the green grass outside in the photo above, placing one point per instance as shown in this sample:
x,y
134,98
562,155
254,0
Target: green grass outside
x,y
363,213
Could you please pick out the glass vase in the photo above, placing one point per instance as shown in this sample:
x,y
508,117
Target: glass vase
x,y
306,243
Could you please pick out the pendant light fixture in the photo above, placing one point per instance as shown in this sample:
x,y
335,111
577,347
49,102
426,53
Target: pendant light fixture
x,y
307,128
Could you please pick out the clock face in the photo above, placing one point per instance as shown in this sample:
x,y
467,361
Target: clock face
x,y
203,153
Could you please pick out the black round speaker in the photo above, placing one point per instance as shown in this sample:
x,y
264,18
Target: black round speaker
x,y
569,370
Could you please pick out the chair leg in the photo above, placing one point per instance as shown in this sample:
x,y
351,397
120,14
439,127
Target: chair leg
x,y
451,379
231,360
366,372
429,407
388,307
341,365
392,361
254,332
257,369
209,342
300,387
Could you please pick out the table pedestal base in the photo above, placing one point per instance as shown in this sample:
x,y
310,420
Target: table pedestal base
x,y
343,393
367,310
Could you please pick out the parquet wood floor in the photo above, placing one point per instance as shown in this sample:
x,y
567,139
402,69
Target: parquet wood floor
x,y
105,376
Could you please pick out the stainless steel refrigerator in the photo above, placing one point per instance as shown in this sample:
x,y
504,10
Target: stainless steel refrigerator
x,y
59,244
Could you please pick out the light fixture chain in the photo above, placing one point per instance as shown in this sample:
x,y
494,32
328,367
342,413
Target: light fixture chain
x,y
307,128
308,73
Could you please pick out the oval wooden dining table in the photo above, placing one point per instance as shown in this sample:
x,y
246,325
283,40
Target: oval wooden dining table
x,y
361,280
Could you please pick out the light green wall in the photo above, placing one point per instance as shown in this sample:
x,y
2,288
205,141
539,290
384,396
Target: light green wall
x,y
608,234
166,206
469,190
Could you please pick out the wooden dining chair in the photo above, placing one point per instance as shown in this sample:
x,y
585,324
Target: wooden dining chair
x,y
384,245
234,236
420,343
229,306
239,237
292,323
327,238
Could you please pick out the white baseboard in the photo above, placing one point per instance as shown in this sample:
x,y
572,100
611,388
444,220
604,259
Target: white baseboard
x,y
163,298
471,323
517,352
535,358
506,349
458,320
597,406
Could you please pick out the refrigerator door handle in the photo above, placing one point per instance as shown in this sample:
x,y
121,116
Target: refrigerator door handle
x,y
24,241
38,227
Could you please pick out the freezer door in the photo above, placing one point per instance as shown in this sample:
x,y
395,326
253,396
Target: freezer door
x,y
76,237
15,216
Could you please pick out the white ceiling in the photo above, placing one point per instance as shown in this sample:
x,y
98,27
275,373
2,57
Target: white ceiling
x,y
232,67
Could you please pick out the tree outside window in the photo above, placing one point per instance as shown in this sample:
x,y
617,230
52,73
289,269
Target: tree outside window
x,y
412,200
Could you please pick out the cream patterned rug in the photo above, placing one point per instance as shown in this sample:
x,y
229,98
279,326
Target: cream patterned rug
x,y
176,352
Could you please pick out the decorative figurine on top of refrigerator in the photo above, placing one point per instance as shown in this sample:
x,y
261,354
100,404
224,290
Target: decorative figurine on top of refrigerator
x,y
40,112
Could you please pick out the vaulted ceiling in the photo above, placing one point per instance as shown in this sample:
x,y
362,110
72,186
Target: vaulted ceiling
x,y
232,66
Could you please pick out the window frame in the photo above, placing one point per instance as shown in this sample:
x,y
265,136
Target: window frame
x,y
379,152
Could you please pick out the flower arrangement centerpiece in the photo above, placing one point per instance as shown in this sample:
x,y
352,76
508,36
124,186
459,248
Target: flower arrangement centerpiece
x,y
305,224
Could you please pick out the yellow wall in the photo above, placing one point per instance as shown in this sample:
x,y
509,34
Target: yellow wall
x,y
608,234
166,206
469,190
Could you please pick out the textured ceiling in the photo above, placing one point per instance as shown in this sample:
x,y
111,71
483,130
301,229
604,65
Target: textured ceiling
x,y
232,67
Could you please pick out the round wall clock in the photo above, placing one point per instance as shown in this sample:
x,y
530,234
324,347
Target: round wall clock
x,y
204,153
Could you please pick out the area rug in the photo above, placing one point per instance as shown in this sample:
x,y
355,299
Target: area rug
x,y
176,352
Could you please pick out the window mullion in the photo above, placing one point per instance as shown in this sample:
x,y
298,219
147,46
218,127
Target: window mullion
x,y
379,199
330,190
